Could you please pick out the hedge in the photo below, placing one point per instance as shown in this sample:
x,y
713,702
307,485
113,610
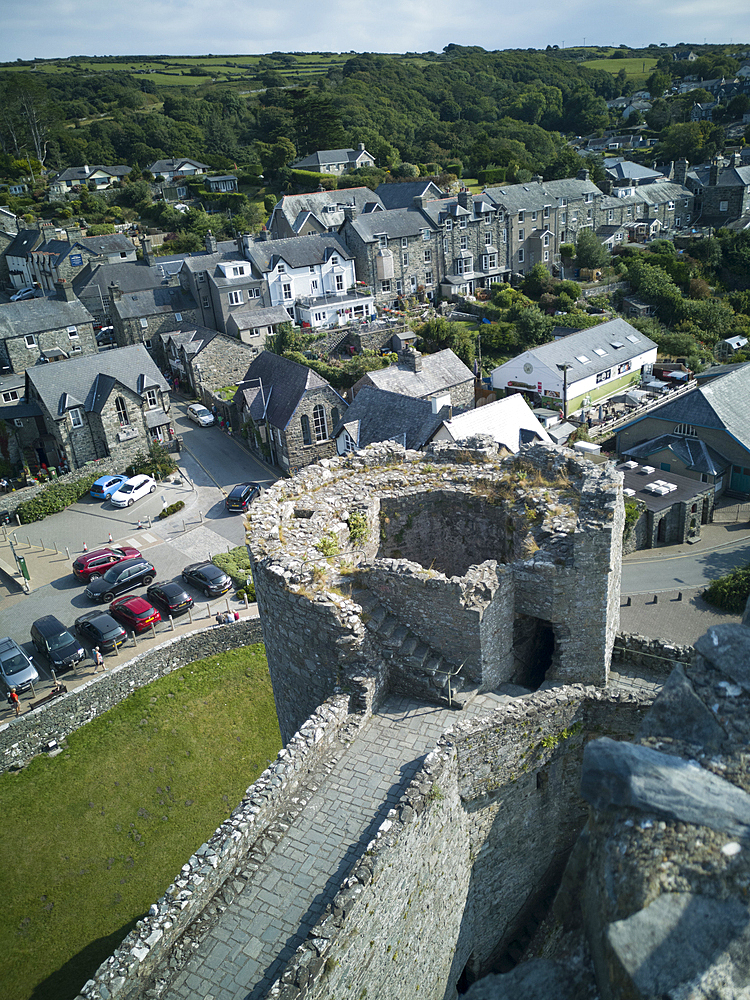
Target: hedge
x,y
56,497
236,563
730,592
172,509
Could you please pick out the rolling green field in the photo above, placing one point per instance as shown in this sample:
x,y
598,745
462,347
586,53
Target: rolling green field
x,y
92,837
636,70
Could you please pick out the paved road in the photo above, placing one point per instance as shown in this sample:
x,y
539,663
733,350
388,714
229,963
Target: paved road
x,y
213,461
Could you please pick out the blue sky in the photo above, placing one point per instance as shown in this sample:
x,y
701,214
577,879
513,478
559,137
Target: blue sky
x,y
50,28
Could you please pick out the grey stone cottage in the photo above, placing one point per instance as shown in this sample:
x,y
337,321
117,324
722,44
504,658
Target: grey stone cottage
x,y
288,412
111,405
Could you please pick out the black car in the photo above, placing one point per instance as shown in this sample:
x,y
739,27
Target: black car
x,y
206,577
242,496
50,637
170,597
100,629
125,575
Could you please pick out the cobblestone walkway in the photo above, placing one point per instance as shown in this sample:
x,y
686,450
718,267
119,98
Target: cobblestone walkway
x,y
248,946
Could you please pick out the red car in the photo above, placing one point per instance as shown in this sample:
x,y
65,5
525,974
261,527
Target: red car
x,y
91,565
135,613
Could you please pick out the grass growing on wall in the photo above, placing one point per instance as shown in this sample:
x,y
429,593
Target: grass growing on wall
x,y
91,838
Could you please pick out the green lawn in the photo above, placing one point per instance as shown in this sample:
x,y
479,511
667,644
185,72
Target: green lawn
x,y
92,837
635,69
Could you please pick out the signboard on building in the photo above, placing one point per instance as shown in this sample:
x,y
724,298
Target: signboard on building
x,y
76,259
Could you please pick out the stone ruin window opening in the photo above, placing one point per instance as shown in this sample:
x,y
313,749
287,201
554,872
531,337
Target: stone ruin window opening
x,y
533,650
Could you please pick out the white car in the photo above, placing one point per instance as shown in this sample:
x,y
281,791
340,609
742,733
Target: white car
x,y
133,490
200,415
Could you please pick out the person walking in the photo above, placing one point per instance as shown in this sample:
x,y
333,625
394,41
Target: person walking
x,y
13,700
98,660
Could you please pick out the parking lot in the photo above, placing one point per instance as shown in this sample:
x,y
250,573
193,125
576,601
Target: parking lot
x,y
196,533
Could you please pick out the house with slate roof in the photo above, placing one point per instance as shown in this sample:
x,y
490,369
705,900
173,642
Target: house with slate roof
x,y
179,167
684,455
716,414
337,161
174,351
425,376
314,279
44,257
137,317
110,405
41,330
581,369
722,194
319,211
96,178
288,411
378,415
403,193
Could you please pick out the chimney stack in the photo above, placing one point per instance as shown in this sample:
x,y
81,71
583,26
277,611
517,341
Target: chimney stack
x,y
680,171
464,199
713,174
211,244
418,201
65,291
350,212
148,250
412,359
583,175
361,146
115,293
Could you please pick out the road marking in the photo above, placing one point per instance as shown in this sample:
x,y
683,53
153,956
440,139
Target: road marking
x,y
149,538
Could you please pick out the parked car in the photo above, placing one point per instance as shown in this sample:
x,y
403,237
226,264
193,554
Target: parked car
x,y
98,628
242,496
91,565
23,293
17,670
51,638
132,490
134,612
127,575
170,597
200,415
206,577
105,486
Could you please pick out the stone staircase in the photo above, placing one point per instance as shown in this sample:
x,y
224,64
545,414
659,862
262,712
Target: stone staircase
x,y
415,666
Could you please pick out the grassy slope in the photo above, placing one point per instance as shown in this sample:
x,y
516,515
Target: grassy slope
x,y
92,837
636,70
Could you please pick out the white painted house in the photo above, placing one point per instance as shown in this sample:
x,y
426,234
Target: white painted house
x,y
581,369
313,278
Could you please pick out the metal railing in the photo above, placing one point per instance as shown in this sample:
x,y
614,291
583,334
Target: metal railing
x,y
605,428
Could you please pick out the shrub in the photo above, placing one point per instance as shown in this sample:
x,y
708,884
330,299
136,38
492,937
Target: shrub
x,y
172,509
56,497
730,592
236,563
159,463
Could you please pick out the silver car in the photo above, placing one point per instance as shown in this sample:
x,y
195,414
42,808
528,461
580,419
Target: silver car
x,y
17,670
200,415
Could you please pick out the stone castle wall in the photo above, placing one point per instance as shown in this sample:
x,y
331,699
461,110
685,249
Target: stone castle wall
x,y
450,543
489,819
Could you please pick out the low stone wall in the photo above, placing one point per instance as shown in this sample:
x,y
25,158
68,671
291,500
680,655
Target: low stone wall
x,y
655,655
9,501
26,736
124,975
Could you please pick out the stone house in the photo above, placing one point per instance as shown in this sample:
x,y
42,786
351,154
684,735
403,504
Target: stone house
x,y
581,369
377,415
96,178
40,330
254,326
319,211
337,161
716,414
44,257
288,412
209,277
93,283
674,507
137,317
722,194
111,405
425,376
216,362
173,351
8,220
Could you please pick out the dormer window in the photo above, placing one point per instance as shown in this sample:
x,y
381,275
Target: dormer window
x,y
382,240
448,225
281,268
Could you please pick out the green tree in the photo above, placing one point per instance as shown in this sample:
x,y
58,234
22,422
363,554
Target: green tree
x,y
589,251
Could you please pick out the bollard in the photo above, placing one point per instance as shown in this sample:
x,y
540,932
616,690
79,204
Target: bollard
x,y
153,629
149,520
171,623
15,538
247,603
629,602
41,542
656,598
227,603
679,595
28,542
135,638
54,679
18,520
201,513
190,615
67,552
56,552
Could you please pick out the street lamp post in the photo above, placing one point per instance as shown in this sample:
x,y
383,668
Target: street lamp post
x,y
564,368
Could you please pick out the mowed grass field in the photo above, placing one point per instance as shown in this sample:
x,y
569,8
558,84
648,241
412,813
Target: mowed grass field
x,y
90,838
636,70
